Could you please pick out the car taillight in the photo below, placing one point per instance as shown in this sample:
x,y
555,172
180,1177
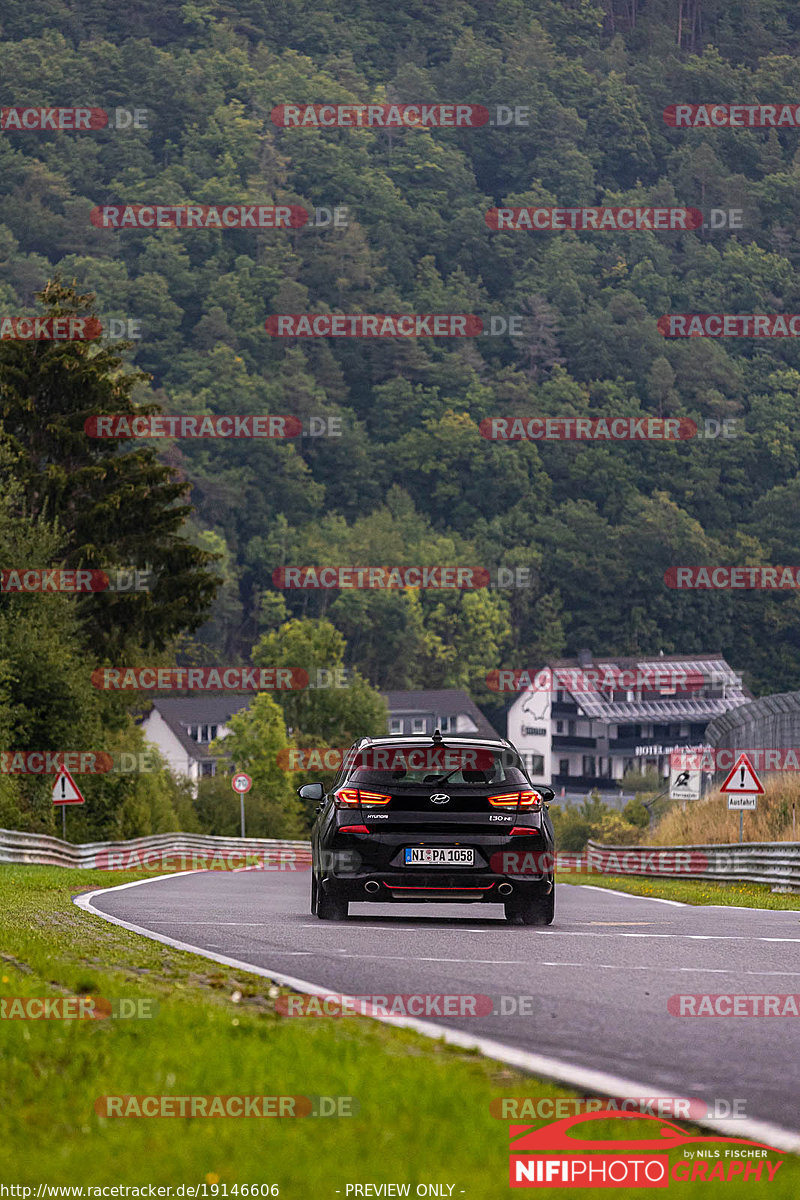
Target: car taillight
x,y
530,800
524,831
353,829
352,796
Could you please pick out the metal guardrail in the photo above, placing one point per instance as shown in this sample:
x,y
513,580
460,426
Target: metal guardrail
x,y
165,850
774,863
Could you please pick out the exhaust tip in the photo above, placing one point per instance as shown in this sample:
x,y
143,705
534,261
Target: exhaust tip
x,y
505,889
372,886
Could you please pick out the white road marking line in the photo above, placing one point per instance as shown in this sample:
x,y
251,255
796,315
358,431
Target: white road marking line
x,y
585,966
632,896
585,1079
692,937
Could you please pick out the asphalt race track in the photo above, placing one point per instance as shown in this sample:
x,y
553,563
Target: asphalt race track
x,y
600,976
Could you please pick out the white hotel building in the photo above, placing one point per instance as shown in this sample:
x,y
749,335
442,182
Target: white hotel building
x,y
589,738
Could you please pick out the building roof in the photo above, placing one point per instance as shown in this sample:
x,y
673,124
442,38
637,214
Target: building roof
x,y
604,703
447,702
198,710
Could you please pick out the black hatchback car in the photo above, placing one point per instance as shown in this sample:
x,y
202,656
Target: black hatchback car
x,y
436,819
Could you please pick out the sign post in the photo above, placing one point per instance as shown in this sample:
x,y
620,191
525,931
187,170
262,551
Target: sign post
x,y
742,787
241,783
65,791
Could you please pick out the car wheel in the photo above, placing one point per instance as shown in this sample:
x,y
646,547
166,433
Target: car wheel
x,y
331,908
539,910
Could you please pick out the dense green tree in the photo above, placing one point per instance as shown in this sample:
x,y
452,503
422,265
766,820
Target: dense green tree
x,y
114,507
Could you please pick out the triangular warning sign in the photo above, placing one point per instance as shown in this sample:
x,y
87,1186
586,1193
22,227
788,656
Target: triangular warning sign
x,y
65,789
742,779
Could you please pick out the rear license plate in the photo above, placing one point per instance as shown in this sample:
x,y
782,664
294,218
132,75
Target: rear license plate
x,y
434,856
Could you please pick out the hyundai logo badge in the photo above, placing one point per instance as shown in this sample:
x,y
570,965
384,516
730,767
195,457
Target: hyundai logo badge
x,y
440,798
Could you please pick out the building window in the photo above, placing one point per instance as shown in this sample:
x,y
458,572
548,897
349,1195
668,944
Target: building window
x,y
534,763
209,767
559,726
563,766
589,767
395,725
571,728
418,725
447,724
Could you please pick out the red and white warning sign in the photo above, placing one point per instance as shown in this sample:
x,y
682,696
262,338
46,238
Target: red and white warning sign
x,y
742,781
65,789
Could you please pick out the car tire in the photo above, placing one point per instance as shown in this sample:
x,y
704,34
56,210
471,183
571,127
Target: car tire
x,y
538,910
331,908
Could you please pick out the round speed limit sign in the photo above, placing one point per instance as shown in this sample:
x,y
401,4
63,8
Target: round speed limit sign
x,y
241,783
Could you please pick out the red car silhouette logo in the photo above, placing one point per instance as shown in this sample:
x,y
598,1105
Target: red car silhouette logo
x,y
555,1137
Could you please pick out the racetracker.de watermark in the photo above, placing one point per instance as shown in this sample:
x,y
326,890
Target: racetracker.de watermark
x,y
76,1008
587,429
264,425
392,325
71,120
200,216
198,426
50,329
68,329
127,1105
743,325
438,578
526,1108
598,220
391,758
216,679
710,759
733,578
734,1005
407,1004
79,581
652,677
599,861
268,858
399,116
732,116
78,762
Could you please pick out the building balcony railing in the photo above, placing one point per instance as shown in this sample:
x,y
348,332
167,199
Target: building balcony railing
x,y
571,742
656,745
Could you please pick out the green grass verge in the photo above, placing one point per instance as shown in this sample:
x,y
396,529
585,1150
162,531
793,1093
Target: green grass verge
x,y
424,1108
690,891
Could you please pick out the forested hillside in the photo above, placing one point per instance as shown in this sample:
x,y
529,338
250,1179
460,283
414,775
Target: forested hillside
x,y
411,480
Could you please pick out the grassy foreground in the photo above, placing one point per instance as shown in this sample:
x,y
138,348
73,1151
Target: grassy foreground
x,y
424,1108
690,891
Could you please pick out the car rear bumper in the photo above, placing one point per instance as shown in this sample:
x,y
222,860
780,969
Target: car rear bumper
x,y
444,886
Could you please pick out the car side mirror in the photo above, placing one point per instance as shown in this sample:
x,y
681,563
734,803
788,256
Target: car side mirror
x,y
547,794
311,791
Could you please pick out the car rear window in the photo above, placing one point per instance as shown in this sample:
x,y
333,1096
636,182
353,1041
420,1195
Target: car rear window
x,y
468,766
